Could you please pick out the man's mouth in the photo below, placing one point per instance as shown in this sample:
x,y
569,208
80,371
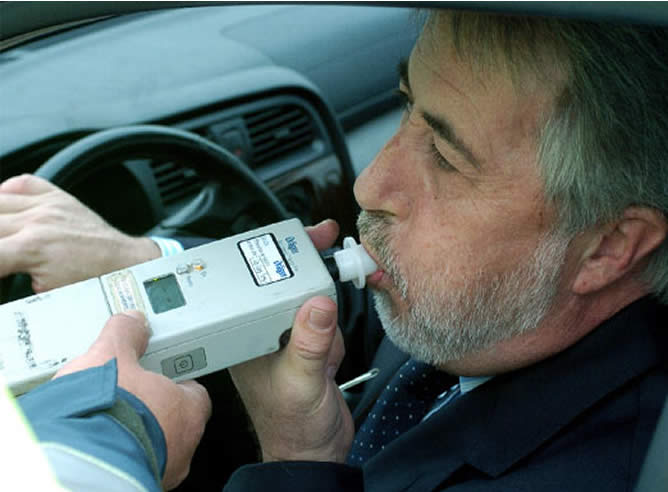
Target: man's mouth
x,y
375,278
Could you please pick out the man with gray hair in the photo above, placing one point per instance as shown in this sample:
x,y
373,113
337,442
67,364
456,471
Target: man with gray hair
x,y
519,218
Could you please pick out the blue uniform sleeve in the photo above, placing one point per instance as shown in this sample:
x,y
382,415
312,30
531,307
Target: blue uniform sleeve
x,y
95,429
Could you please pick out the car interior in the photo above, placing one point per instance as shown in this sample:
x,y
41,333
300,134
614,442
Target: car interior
x,y
207,119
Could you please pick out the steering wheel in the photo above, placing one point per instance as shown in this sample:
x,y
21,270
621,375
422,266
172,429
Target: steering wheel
x,y
204,216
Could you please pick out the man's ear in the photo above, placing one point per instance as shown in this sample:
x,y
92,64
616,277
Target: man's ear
x,y
619,248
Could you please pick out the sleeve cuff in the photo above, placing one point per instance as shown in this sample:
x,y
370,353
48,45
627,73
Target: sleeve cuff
x,y
168,247
86,411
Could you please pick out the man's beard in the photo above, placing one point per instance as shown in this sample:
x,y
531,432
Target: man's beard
x,y
446,320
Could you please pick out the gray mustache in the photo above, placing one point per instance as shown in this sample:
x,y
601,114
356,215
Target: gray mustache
x,y
374,227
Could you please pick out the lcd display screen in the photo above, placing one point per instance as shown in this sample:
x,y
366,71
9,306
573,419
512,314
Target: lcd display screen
x,y
164,293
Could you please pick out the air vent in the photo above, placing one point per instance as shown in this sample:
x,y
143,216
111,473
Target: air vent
x,y
175,182
278,130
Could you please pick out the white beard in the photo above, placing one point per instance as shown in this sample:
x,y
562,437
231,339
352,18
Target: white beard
x,y
444,323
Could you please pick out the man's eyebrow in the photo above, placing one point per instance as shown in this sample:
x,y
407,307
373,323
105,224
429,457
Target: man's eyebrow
x,y
447,133
440,125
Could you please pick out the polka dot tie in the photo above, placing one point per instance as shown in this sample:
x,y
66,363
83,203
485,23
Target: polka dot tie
x,y
402,404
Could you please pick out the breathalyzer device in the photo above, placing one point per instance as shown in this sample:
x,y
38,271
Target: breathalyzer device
x,y
208,308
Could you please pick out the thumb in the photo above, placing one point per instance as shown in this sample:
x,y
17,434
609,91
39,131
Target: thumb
x,y
312,336
323,234
124,337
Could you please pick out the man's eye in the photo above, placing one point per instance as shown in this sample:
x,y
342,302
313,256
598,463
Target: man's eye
x,y
406,102
441,161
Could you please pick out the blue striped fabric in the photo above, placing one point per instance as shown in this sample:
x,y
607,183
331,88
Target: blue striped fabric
x,y
167,246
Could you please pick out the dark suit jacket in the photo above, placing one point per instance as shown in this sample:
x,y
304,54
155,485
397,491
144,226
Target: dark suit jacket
x,y
579,421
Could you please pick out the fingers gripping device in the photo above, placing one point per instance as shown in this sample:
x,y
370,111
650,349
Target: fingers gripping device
x,y
208,308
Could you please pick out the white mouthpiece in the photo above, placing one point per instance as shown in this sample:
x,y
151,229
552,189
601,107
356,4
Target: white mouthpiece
x,y
354,263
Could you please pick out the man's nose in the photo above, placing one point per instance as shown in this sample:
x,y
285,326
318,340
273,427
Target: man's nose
x,y
384,185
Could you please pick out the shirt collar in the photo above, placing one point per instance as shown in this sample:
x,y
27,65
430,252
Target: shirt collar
x,y
467,383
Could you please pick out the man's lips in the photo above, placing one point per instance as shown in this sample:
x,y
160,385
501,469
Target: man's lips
x,y
374,278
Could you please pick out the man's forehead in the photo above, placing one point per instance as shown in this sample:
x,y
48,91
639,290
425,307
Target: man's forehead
x,y
484,108
435,56
494,47
531,95
437,41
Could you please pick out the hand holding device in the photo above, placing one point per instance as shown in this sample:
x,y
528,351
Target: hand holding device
x,y
182,409
209,307
291,396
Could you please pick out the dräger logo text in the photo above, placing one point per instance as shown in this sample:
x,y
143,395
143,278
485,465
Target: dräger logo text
x,y
292,244
280,269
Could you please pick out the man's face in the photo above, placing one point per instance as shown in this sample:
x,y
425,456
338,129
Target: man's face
x,y
454,211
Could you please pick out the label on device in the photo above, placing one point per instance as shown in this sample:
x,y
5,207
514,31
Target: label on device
x,y
124,293
265,259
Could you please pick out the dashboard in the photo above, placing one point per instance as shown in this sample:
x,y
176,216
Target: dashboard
x,y
304,95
